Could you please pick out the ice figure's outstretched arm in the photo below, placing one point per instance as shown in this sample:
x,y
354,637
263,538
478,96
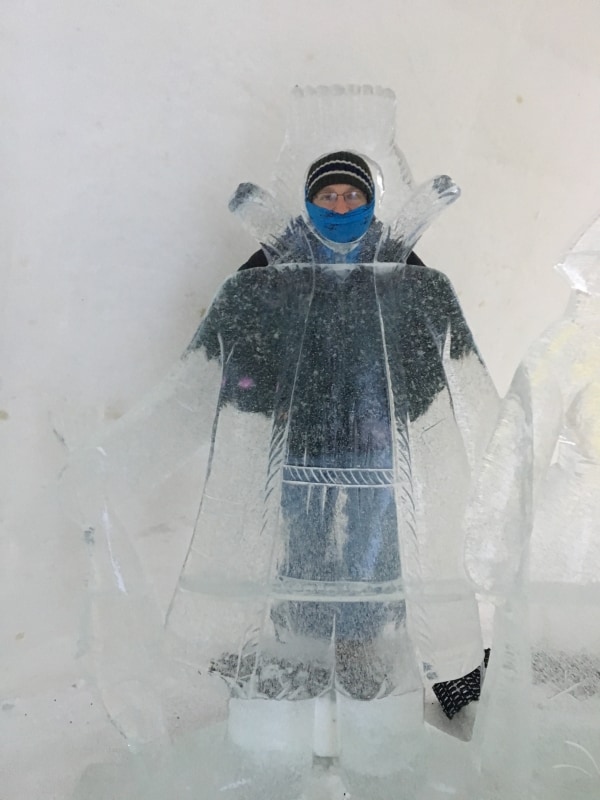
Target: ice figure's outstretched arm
x,y
421,209
499,512
125,625
170,424
148,444
475,401
261,215
504,495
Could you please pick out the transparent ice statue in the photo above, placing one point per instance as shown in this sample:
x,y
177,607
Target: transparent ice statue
x,y
346,407
534,545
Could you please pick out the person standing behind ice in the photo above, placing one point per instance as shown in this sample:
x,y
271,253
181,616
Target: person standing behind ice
x,y
342,423
375,393
340,201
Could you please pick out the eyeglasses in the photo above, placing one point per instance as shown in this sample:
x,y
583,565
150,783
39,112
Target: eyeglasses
x,y
353,198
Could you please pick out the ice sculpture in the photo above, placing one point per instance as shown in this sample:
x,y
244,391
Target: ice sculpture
x,y
534,544
346,406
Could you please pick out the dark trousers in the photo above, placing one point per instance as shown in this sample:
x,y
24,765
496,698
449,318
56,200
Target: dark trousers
x,y
345,534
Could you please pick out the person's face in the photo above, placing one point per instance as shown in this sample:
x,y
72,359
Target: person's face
x,y
340,197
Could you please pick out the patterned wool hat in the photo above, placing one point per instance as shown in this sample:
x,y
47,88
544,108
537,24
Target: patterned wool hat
x,y
340,167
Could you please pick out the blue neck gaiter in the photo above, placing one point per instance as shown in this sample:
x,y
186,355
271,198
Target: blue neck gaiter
x,y
341,228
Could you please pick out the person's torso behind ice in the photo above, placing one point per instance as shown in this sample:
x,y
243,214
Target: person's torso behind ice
x,y
340,416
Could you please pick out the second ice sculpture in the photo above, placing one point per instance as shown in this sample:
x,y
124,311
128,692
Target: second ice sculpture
x,y
346,406
534,544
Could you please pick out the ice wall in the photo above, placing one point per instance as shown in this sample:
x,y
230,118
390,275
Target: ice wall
x,y
125,128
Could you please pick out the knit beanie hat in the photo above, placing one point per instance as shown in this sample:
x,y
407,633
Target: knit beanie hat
x,y
340,167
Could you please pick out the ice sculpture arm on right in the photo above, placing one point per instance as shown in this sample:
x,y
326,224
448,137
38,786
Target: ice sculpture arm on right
x,y
500,513
475,401
422,208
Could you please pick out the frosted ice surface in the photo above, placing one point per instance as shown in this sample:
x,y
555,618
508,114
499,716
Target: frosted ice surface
x,y
534,542
346,407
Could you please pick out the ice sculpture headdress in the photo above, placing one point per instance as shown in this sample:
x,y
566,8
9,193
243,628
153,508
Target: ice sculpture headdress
x,y
319,122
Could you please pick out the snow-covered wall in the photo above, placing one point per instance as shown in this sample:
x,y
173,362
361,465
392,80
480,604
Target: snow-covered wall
x,y
125,127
